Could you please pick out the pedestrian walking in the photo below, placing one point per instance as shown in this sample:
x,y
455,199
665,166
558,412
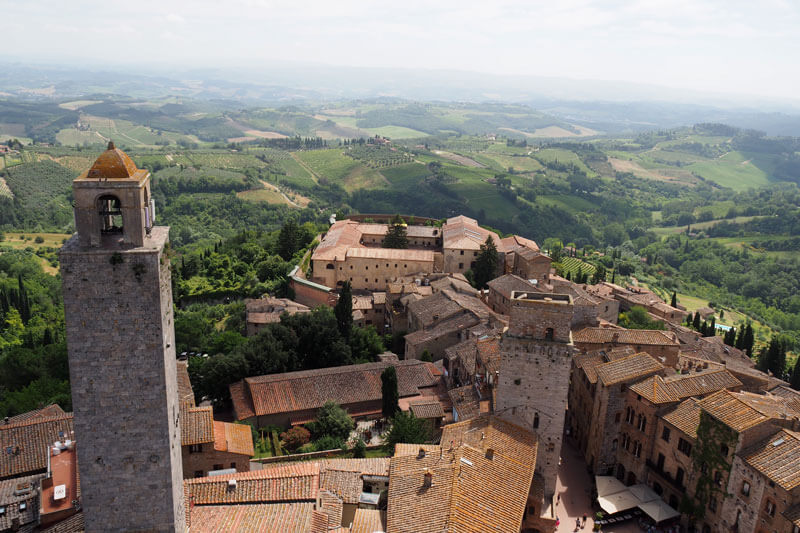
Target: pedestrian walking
x,y
584,520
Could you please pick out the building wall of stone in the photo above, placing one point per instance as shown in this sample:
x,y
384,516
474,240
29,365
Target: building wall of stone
x,y
199,464
581,403
533,269
649,413
608,310
498,303
120,336
311,297
664,480
532,318
435,346
458,261
584,316
532,391
667,355
284,419
367,274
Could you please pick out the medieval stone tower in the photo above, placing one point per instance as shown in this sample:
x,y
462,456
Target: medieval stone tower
x,y
120,336
536,356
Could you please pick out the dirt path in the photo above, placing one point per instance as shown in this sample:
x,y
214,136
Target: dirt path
x,y
466,161
308,168
268,185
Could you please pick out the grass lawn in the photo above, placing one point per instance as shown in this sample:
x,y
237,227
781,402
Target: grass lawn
x,y
16,241
732,170
523,164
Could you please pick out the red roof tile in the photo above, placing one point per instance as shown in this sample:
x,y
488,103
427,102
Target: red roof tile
x,y
24,445
291,482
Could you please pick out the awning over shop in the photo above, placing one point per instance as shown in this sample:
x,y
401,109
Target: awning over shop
x,y
621,501
643,492
607,485
658,510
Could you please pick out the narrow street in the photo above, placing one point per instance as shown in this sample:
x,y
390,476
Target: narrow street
x,y
574,487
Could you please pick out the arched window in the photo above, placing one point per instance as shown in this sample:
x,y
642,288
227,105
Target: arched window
x,y
110,211
535,420
548,334
329,266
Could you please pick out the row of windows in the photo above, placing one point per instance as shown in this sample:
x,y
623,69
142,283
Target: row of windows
x,y
631,416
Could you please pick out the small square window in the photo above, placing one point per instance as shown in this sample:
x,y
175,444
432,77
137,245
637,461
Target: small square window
x,y
746,488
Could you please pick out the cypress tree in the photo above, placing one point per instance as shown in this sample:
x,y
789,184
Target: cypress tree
x,y
344,311
712,329
794,381
486,263
739,344
704,329
674,302
696,321
748,340
389,392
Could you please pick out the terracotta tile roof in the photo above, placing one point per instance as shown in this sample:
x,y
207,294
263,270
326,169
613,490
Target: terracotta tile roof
x,y
263,518
291,482
702,383
588,362
655,390
515,243
627,369
51,411
24,445
463,233
466,402
471,490
197,426
791,396
233,438
310,389
769,405
465,351
778,459
185,392
73,524
792,514
444,328
340,237
11,496
639,337
332,506
677,387
427,409
455,282
685,417
393,254
373,466
368,521
402,449
319,522
509,282
728,408
345,484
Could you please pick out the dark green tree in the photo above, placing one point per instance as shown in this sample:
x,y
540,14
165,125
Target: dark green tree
x,y
288,239
396,236
747,343
730,337
794,381
359,449
712,328
674,301
332,421
390,393
696,321
486,263
406,428
344,311
773,358
599,275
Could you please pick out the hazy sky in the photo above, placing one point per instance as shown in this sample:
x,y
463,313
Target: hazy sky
x,y
727,46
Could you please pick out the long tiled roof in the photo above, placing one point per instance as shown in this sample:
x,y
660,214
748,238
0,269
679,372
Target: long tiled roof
x,y
292,482
51,411
685,417
343,235
792,514
373,466
471,490
729,409
627,368
677,387
310,389
10,499
24,445
346,484
260,518
507,283
463,233
778,458
588,362
233,438
185,392
368,521
465,401
640,337
197,426
427,408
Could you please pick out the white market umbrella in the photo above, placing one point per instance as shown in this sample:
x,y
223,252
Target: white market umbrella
x,y
607,485
658,510
621,501
643,492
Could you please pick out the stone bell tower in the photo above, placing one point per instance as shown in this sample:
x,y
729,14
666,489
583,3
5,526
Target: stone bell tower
x,y
535,361
121,342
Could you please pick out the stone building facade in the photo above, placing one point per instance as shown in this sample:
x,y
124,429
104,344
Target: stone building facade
x,y
120,337
536,356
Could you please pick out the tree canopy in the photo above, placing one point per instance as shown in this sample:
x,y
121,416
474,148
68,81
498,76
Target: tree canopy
x,y
389,392
397,235
485,269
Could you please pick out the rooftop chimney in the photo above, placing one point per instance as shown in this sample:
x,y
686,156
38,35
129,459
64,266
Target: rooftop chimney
x,y
428,479
421,453
490,453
